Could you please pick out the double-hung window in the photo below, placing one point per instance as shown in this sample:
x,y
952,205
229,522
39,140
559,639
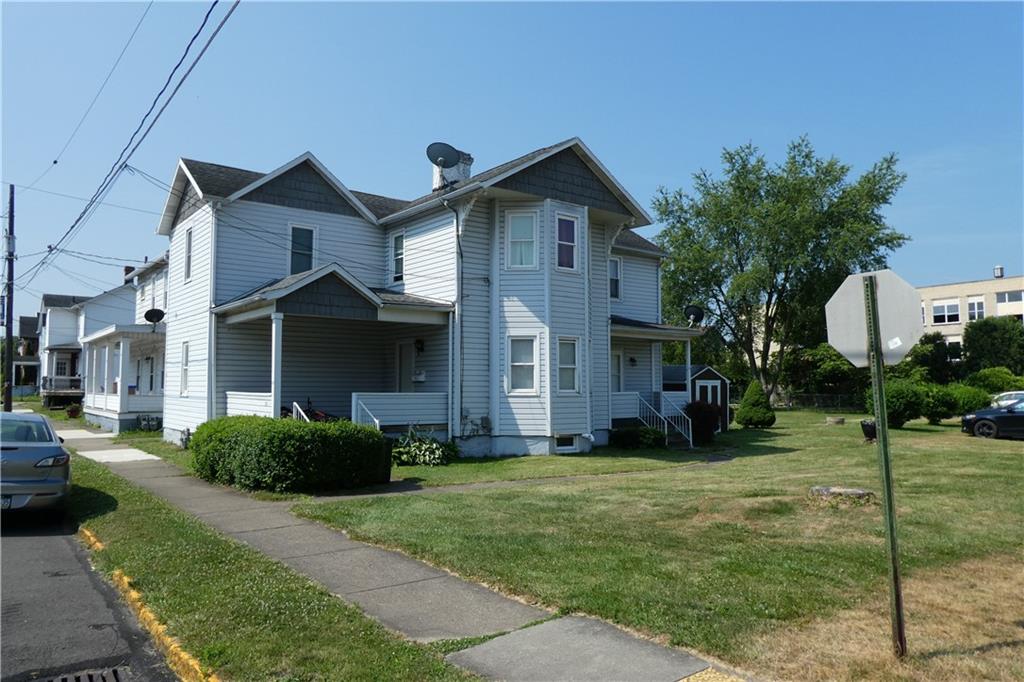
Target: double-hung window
x,y
522,364
615,278
188,254
302,249
568,366
1010,296
976,308
184,368
522,241
398,257
946,312
567,236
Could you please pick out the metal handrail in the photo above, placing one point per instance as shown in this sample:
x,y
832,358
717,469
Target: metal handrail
x,y
651,417
680,422
297,413
360,409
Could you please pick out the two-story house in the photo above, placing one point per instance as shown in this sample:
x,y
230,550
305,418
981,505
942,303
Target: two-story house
x,y
26,358
514,309
60,380
122,351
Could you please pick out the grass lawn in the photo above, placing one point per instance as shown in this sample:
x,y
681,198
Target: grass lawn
x,y
727,559
238,612
153,443
57,415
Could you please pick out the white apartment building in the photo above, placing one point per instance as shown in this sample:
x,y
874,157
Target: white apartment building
x,y
947,308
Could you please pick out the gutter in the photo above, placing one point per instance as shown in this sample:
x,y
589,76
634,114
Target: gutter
x,y
433,203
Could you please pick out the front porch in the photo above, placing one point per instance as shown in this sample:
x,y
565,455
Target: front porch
x,y
123,378
61,382
324,344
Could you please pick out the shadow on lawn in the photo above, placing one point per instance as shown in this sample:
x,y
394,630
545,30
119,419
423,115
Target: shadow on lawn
x,y
749,443
88,503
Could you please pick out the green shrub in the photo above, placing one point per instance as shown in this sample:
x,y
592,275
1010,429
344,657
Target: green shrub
x,y
413,448
755,409
904,401
636,437
938,403
287,455
995,380
704,420
969,398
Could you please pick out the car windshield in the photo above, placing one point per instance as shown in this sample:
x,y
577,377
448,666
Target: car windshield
x,y
18,429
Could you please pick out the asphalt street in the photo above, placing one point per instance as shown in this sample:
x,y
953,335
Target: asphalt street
x,y
59,617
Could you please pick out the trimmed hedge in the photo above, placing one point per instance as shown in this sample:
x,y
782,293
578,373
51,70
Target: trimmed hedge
x,y
904,401
636,437
969,398
287,455
704,419
755,409
995,380
938,403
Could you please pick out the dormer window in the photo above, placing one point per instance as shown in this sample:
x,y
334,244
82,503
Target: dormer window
x,y
398,257
302,249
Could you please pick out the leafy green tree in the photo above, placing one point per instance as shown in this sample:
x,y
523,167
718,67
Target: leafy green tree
x,y
994,342
764,247
934,356
755,409
822,369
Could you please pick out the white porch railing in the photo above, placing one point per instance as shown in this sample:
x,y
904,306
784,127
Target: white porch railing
x,y
650,416
111,402
625,405
244,403
399,409
297,413
676,417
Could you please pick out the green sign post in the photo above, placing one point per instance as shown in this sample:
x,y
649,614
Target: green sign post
x,y
899,635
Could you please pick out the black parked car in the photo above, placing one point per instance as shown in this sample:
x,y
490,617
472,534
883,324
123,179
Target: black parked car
x,y
996,422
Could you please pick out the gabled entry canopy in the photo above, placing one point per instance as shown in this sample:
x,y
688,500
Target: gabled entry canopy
x,y
332,291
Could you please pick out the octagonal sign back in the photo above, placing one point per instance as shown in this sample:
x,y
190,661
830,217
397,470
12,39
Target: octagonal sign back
x,y
899,317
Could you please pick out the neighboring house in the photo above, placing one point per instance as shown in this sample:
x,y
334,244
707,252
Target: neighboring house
x,y
60,380
26,360
123,353
947,308
514,310
703,382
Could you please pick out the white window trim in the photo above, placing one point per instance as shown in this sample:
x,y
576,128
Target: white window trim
x,y
316,239
535,391
567,448
575,244
183,378
575,340
617,259
391,255
508,239
188,255
945,303
979,307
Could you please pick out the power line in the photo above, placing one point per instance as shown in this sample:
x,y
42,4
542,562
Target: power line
x,y
126,153
88,109
72,196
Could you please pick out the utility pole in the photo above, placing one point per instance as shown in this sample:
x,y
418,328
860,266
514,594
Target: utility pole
x,y
9,313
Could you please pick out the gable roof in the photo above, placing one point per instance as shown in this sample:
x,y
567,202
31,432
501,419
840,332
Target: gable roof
x,y
631,241
494,175
217,180
676,374
62,300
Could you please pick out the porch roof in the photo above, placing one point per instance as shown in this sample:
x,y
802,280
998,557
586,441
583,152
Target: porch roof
x,y
386,305
624,327
128,331
71,345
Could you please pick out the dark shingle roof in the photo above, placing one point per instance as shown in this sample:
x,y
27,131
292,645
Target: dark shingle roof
x,y
380,206
28,326
628,239
220,181
62,300
399,298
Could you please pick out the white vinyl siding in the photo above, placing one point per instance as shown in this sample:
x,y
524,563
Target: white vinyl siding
x,y
597,357
638,296
254,241
568,315
476,318
428,256
154,283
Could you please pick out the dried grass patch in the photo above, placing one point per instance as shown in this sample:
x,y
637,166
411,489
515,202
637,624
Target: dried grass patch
x,y
964,622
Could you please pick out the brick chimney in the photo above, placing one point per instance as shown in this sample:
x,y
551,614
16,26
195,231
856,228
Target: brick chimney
x,y
457,173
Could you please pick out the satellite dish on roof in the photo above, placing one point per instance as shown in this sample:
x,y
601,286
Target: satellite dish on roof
x,y
693,313
443,155
154,315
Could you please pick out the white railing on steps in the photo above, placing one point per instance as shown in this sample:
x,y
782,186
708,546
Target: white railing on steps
x,y
297,413
677,419
651,417
362,415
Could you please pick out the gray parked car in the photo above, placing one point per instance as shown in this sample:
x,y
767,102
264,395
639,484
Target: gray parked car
x,y
35,469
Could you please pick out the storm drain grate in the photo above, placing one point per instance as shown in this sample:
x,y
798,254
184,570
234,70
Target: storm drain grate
x,y
100,675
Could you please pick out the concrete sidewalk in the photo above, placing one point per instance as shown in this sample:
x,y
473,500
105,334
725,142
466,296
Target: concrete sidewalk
x,y
408,596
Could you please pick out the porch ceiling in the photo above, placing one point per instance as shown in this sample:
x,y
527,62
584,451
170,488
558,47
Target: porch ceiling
x,y
132,332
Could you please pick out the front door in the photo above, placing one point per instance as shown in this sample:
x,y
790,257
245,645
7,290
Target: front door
x,y
710,392
406,367
616,372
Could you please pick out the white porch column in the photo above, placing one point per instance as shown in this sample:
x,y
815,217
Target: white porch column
x,y
84,372
108,384
123,370
276,338
689,397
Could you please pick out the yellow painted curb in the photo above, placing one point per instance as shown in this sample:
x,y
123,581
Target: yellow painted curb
x,y
712,675
184,664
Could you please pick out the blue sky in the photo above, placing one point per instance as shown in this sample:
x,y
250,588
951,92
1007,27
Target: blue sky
x,y
656,90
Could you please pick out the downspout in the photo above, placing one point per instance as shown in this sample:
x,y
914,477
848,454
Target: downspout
x,y
211,341
457,381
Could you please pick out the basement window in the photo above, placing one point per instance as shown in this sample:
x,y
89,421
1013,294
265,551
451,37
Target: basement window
x,y
565,443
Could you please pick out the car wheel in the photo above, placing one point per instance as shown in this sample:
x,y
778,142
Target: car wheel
x,y
985,429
